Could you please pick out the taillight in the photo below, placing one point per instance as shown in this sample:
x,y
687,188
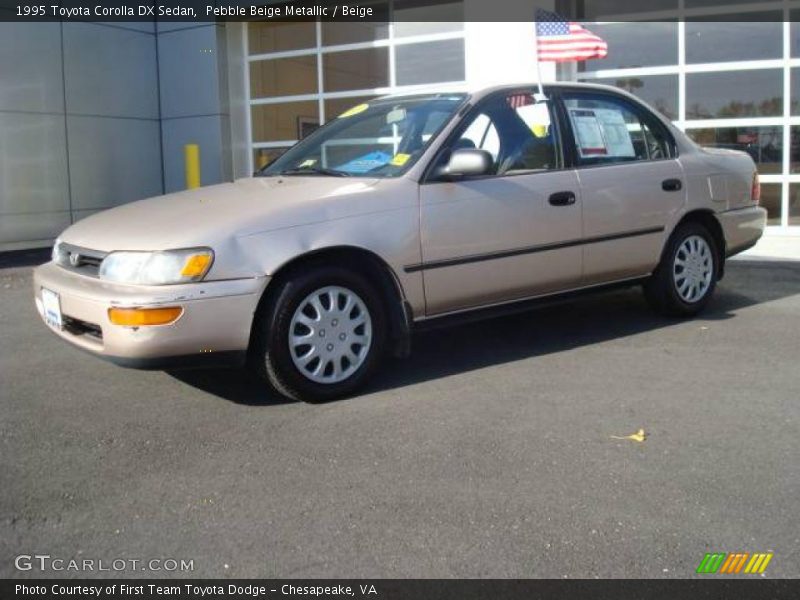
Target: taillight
x,y
755,194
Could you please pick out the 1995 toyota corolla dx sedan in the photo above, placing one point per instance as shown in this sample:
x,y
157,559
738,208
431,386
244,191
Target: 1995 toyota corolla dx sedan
x,y
396,214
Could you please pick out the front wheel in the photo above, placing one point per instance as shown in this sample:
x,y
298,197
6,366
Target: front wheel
x,y
321,336
684,281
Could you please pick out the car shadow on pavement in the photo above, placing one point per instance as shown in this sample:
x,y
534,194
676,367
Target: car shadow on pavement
x,y
24,258
237,385
580,322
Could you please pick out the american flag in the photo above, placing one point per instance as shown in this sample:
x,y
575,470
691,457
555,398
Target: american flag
x,y
560,41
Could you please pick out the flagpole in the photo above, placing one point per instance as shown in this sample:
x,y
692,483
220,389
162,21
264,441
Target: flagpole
x,y
542,97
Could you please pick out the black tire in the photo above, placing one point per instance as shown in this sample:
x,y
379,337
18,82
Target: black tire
x,y
270,354
661,289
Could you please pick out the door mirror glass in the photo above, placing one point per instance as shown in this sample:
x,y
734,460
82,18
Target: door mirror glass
x,y
467,162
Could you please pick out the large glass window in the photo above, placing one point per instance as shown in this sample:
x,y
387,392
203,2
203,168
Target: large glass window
x,y
722,38
745,103
415,18
763,144
608,8
771,200
734,94
706,3
794,81
280,36
414,64
356,70
795,33
284,121
659,91
794,156
794,204
635,45
283,76
353,32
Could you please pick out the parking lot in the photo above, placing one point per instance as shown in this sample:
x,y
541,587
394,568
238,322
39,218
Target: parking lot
x,y
487,454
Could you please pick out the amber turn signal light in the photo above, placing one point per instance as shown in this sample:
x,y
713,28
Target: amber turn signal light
x,y
196,266
137,317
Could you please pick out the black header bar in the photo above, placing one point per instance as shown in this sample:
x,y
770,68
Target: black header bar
x,y
200,11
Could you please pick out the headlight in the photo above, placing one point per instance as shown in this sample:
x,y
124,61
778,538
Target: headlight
x,y
157,268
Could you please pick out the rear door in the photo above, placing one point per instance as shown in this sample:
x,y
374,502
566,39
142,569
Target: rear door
x,y
502,237
630,179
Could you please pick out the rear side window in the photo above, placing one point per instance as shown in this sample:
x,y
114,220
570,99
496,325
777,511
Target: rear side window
x,y
608,130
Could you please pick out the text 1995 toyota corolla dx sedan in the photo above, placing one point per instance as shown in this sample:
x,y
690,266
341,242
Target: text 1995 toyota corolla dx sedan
x,y
399,212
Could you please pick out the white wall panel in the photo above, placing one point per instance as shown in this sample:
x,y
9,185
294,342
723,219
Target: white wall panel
x,y
30,73
110,71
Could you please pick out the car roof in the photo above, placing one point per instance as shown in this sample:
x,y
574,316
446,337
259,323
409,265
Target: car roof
x,y
485,91
478,93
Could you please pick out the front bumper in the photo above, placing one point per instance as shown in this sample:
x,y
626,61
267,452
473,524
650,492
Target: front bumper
x,y
214,327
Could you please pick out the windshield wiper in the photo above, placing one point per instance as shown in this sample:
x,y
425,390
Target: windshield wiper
x,y
315,171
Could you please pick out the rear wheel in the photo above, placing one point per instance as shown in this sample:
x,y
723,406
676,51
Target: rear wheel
x,y
321,336
684,281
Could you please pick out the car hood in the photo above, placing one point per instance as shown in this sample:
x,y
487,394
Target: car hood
x,y
206,216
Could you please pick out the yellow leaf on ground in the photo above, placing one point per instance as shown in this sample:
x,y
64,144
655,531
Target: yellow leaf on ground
x,y
639,436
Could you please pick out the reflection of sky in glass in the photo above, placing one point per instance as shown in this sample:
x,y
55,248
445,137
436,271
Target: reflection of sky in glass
x,y
599,8
702,3
795,32
721,41
659,91
635,45
734,94
795,83
413,62
763,144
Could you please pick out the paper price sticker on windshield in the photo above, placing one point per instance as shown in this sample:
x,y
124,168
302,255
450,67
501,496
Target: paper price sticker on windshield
x,y
398,160
359,108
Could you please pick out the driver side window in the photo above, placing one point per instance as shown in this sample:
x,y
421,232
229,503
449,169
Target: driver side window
x,y
519,133
481,134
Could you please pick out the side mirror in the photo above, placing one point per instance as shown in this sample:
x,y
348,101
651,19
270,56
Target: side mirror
x,y
467,162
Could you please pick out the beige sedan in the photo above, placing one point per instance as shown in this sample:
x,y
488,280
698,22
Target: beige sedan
x,y
400,212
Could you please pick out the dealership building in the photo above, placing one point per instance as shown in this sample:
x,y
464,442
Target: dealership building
x,y
93,115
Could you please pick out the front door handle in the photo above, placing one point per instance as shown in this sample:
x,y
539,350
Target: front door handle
x,y
671,185
562,199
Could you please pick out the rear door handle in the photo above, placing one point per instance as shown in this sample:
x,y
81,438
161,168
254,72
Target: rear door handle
x,y
671,185
562,199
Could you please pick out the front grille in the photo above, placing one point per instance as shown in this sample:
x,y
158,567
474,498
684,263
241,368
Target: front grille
x,y
78,327
81,260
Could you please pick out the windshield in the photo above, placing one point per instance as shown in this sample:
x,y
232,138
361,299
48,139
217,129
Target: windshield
x,y
381,138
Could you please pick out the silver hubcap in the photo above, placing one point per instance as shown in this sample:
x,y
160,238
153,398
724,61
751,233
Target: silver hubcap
x,y
693,269
330,335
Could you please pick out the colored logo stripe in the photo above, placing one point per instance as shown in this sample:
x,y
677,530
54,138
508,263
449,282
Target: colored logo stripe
x,y
711,562
734,562
759,562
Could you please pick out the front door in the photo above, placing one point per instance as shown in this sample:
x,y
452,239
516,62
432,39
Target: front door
x,y
512,234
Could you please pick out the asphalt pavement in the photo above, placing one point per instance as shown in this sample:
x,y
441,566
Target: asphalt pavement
x,y
488,453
